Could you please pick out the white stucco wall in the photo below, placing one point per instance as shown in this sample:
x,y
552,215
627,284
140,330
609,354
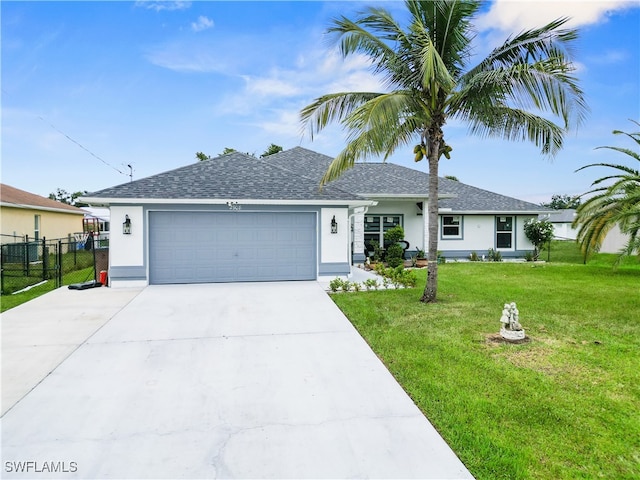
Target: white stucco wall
x,y
614,241
126,250
478,234
522,242
334,247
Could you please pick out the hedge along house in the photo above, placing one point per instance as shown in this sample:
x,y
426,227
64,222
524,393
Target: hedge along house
x,y
241,218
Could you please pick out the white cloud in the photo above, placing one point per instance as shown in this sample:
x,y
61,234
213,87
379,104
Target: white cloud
x,y
163,5
270,87
203,23
516,16
610,57
186,57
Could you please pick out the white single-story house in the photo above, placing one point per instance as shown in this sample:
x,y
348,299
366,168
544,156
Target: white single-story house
x,y
562,221
241,218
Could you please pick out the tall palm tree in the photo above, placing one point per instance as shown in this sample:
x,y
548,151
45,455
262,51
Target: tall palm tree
x,y
614,204
424,66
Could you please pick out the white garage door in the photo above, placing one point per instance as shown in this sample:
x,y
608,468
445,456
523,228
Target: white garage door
x,y
202,247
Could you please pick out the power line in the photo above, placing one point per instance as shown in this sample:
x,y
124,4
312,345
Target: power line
x,y
83,147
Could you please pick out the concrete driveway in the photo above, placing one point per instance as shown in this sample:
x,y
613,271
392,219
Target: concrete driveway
x,y
253,380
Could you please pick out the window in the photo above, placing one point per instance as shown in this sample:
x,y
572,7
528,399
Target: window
x,y
36,226
376,225
451,226
504,232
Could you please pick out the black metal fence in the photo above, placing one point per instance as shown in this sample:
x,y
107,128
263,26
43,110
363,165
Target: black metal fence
x,y
26,262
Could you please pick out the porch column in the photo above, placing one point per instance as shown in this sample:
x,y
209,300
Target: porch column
x,y
425,223
358,238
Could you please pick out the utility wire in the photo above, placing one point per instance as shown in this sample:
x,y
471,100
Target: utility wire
x,y
82,146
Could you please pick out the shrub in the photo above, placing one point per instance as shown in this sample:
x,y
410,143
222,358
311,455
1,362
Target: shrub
x,y
394,235
539,232
528,256
377,251
370,283
494,255
474,257
335,284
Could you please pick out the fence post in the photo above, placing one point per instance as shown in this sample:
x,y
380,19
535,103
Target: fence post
x,y
59,262
2,269
93,246
25,257
45,259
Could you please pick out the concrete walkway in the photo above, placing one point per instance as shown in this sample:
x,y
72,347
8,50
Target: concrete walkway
x,y
249,380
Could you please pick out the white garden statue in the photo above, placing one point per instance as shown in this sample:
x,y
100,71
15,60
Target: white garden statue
x,y
511,328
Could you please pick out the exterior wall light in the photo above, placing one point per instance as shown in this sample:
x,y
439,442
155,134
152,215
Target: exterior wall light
x,y
334,225
126,225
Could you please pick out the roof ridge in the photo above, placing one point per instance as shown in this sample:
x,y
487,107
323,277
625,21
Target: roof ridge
x,y
320,186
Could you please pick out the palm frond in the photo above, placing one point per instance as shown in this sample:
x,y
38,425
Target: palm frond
x,y
497,121
332,107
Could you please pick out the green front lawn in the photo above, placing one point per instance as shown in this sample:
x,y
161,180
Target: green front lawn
x,y
13,300
565,405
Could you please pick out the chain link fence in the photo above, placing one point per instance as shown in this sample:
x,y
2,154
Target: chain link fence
x,y
27,262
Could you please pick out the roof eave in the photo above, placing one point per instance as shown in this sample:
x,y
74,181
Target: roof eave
x,y
37,207
405,196
224,201
490,212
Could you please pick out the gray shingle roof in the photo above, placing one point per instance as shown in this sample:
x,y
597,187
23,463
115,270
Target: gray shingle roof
x,y
231,176
384,179
295,175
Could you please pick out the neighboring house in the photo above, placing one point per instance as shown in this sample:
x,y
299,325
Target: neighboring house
x,y
25,213
241,218
562,221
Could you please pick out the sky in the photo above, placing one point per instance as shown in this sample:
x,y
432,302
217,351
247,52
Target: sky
x,y
96,93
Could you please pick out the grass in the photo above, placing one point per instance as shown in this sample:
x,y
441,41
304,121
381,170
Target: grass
x,y
564,405
10,301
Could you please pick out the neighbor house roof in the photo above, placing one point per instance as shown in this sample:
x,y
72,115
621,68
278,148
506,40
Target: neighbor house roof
x,y
560,216
16,198
295,174
234,176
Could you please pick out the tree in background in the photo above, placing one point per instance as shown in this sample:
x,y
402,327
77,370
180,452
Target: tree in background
x,y
61,195
562,202
539,232
271,149
452,177
524,90
615,204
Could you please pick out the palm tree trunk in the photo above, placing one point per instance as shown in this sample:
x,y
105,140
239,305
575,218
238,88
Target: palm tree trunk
x,y
431,288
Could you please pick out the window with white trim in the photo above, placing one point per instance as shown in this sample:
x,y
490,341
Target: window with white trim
x,y
376,225
36,227
451,226
504,232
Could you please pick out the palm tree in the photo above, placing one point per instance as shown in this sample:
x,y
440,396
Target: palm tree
x,y
428,80
615,204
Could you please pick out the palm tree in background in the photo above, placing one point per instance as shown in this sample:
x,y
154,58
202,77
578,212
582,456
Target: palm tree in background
x,y
425,71
614,204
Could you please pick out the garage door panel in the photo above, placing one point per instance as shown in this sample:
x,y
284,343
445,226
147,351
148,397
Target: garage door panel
x,y
190,247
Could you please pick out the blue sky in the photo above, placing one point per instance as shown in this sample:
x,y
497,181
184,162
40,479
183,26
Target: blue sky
x,y
91,87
